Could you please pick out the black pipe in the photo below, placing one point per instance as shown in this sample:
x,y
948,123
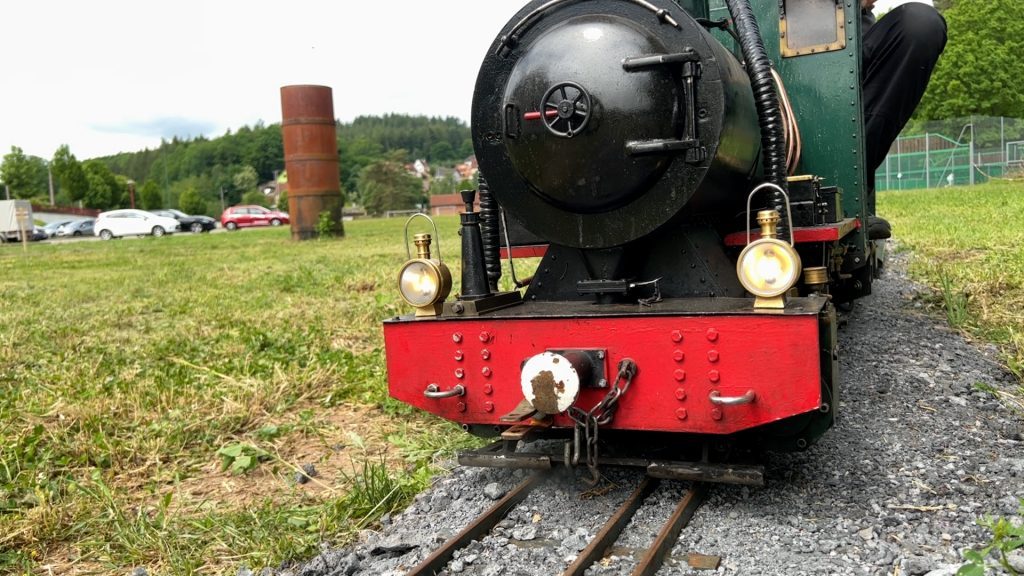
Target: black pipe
x,y
489,231
474,276
766,101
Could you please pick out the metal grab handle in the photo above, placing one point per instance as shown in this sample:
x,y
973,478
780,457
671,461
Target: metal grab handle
x,y
434,391
408,251
717,398
789,211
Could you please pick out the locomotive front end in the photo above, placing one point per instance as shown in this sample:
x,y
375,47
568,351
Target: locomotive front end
x,y
620,139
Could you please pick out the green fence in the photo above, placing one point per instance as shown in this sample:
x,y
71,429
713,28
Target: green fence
x,y
959,152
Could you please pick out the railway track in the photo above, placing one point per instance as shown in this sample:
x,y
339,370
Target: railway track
x,y
649,561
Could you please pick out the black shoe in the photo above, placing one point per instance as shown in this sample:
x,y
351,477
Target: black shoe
x,y
878,228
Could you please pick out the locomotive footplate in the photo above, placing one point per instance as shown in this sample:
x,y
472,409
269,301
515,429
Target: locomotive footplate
x,y
502,454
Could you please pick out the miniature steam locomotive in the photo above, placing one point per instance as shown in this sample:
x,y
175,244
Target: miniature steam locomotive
x,y
692,174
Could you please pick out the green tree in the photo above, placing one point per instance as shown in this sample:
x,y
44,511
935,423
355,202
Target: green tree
x,y
191,202
69,175
102,185
150,197
979,73
386,186
943,5
282,201
26,176
442,152
246,179
255,197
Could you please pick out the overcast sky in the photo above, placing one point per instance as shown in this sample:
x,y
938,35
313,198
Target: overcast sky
x,y
117,75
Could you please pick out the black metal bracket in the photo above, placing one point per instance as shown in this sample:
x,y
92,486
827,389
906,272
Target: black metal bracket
x,y
690,71
643,62
500,455
603,286
595,358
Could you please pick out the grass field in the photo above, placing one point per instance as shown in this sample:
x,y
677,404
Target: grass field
x,y
133,371
967,243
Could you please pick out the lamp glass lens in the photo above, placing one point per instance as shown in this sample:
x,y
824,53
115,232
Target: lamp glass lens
x,y
419,284
768,269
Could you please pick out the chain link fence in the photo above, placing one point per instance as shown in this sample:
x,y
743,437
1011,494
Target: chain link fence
x,y
957,152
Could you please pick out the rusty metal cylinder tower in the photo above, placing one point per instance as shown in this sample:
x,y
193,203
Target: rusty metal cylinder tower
x,y
311,159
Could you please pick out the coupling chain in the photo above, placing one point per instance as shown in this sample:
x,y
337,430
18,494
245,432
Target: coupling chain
x,y
588,422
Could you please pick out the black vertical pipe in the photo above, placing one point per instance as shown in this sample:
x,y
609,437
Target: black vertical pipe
x,y
489,230
474,273
766,101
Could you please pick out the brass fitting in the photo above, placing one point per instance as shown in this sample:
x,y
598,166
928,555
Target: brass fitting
x,y
422,242
769,222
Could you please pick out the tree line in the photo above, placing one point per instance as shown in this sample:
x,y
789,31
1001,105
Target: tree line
x,y
192,174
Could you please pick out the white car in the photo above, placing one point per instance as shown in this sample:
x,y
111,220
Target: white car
x,y
117,223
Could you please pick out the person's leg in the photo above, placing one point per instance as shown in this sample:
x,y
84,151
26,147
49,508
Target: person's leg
x,y
900,52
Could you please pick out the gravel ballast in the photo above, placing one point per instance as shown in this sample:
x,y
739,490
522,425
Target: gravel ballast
x,y
918,455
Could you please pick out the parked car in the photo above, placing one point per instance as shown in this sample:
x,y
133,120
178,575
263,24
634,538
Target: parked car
x,y
244,216
51,229
195,224
129,222
38,234
76,228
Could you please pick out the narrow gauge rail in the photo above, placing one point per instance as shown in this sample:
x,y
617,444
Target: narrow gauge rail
x,y
602,542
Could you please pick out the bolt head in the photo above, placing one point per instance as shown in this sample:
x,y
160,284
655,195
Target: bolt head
x,y
485,354
713,356
459,356
457,337
714,375
680,375
461,406
486,372
485,336
716,414
677,336
680,394
678,356
488,389
712,335
460,373
489,407
681,414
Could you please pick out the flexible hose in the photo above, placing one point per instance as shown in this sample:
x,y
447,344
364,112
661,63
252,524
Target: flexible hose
x,y
489,232
766,100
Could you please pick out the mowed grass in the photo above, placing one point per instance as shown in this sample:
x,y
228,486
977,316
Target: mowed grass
x,y
132,371
967,243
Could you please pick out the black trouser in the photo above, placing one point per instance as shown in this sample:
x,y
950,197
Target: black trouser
x,y
900,52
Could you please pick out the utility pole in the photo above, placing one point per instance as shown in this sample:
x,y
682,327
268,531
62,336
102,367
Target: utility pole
x,y
7,188
49,175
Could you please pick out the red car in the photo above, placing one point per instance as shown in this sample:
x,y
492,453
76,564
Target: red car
x,y
243,216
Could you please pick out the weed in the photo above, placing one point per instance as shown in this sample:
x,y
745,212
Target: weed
x,y
1007,536
954,301
327,226
241,458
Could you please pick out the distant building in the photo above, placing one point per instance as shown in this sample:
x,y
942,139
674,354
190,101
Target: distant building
x,y
273,189
421,170
468,169
441,204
